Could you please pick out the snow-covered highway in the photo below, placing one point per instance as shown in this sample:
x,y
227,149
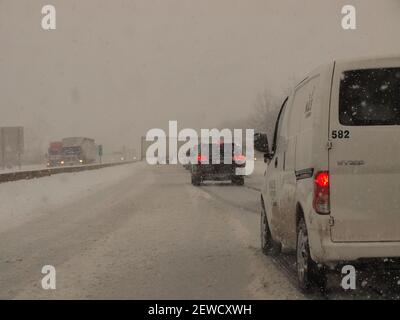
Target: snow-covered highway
x,y
136,232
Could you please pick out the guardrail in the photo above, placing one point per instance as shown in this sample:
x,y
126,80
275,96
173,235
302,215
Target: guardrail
x,y
31,174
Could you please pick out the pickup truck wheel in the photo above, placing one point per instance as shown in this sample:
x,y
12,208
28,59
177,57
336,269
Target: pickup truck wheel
x,y
239,181
268,246
309,275
196,180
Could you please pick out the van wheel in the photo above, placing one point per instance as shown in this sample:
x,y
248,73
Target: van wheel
x,y
268,246
309,275
196,180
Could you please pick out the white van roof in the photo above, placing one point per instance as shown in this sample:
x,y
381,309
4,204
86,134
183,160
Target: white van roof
x,y
367,58
352,60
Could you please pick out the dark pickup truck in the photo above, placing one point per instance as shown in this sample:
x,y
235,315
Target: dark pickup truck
x,y
214,164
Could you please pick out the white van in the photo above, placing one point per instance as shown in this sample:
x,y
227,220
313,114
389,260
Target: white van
x,y
332,184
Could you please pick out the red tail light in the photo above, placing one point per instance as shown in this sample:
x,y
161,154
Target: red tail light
x,y
239,158
201,158
321,200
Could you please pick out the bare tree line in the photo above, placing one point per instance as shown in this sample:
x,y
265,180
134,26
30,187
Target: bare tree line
x,y
263,115
265,112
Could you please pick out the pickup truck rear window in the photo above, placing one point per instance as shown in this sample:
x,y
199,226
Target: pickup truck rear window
x,y
370,97
218,148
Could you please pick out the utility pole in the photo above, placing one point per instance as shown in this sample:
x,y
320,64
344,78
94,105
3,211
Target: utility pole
x,y
2,148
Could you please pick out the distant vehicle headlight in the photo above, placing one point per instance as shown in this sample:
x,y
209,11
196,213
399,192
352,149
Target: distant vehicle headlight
x,y
62,162
81,161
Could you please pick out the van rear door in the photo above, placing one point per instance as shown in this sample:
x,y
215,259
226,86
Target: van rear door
x,y
364,161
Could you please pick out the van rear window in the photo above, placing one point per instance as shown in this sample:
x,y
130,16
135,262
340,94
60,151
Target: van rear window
x,y
370,97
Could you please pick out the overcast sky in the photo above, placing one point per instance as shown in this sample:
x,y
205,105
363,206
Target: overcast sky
x,y
114,69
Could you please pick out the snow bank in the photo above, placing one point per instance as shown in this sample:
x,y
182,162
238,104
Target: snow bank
x,y
23,200
24,168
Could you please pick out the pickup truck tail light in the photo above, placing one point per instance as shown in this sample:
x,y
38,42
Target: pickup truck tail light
x,y
321,201
201,158
239,158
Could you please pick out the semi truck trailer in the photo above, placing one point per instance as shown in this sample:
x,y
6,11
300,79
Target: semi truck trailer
x,y
78,151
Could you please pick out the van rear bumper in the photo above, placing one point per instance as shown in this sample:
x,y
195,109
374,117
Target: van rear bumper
x,y
325,251
336,252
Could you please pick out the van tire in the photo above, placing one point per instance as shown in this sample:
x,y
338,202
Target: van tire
x,y
196,180
269,247
310,277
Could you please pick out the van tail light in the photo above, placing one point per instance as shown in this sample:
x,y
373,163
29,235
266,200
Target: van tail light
x,y
321,202
201,158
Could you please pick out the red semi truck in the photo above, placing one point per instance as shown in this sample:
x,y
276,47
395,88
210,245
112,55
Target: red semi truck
x,y
54,154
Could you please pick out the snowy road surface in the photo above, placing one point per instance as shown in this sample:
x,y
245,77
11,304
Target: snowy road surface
x,y
136,232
